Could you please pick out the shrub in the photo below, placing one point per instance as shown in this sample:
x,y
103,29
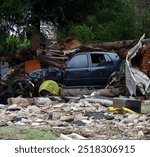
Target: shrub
x,y
84,33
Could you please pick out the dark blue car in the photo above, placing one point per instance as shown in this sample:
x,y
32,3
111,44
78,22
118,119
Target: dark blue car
x,y
86,69
90,69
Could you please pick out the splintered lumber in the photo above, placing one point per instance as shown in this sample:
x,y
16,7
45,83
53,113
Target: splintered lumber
x,y
68,44
57,54
49,61
58,58
52,53
51,58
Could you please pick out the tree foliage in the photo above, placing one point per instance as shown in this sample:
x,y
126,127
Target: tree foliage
x,y
112,21
97,20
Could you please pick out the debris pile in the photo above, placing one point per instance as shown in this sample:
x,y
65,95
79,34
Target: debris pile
x,y
138,69
78,113
78,119
56,54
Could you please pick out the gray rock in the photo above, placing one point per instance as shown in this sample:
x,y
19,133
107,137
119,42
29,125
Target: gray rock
x,y
86,132
86,121
67,118
130,124
19,123
140,135
26,121
39,120
85,103
56,115
35,124
131,118
146,130
143,118
42,101
33,109
3,106
9,123
3,124
12,106
78,123
58,105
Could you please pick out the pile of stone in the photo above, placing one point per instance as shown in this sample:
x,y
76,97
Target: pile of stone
x,y
76,119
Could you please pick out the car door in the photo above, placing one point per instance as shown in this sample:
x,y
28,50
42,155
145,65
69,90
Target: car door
x,y
77,70
101,68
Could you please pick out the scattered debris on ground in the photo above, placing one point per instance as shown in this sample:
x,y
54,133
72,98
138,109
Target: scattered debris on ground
x,y
77,119
80,113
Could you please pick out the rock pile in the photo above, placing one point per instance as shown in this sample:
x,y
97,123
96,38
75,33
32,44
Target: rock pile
x,y
77,120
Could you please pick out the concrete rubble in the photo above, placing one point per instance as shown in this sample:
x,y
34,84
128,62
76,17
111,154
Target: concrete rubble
x,y
77,120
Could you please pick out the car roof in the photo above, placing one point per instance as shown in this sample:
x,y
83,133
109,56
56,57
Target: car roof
x,y
93,51
112,54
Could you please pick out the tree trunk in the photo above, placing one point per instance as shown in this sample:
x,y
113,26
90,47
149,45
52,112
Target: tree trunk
x,y
35,42
116,44
34,35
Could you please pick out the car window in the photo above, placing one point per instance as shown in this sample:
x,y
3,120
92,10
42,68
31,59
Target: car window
x,y
100,59
78,61
108,60
114,56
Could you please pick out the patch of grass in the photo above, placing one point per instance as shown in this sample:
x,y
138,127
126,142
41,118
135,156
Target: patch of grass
x,y
13,132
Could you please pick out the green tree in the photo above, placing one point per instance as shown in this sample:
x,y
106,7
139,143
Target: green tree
x,y
113,20
103,20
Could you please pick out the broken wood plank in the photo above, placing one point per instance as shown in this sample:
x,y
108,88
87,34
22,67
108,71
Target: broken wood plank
x,y
57,58
67,44
50,62
52,54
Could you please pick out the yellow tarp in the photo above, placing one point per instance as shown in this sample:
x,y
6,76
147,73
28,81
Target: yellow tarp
x,y
50,86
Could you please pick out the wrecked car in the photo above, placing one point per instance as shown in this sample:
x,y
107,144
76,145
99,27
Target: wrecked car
x,y
84,69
